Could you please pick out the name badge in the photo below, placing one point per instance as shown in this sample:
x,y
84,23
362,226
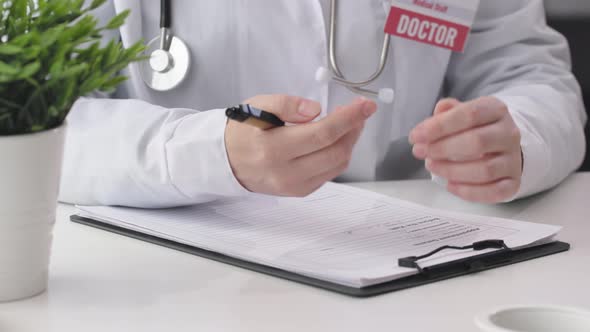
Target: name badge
x,y
441,23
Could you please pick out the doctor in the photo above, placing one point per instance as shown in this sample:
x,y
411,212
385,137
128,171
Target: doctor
x,y
500,121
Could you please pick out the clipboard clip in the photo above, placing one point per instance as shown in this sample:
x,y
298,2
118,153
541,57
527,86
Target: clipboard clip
x,y
412,261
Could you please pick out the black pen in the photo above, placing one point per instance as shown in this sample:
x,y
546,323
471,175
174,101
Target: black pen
x,y
253,116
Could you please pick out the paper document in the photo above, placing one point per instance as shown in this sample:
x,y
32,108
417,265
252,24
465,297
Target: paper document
x,y
340,234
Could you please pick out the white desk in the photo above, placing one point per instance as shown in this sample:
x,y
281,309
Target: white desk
x,y
105,282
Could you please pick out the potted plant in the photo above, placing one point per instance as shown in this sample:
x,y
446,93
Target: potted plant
x,y
50,55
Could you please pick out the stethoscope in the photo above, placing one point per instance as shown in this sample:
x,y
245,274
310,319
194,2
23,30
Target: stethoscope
x,y
324,74
169,60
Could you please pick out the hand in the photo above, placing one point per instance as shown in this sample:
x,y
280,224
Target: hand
x,y
295,160
475,146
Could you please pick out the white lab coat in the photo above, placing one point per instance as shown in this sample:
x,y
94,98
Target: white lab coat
x,y
157,149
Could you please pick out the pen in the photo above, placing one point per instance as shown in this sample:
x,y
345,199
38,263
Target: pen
x,y
253,116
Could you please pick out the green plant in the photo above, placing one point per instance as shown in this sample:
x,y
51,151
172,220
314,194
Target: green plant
x,y
50,55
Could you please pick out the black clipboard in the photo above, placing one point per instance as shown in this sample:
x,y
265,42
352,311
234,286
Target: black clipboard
x,y
432,274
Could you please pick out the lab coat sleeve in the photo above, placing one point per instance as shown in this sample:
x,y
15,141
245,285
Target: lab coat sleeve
x,y
132,153
513,55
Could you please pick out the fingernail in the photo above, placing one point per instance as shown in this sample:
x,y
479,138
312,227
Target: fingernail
x,y
417,136
368,108
305,109
427,165
359,100
419,151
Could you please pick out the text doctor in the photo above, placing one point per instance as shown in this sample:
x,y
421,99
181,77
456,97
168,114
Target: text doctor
x,y
500,121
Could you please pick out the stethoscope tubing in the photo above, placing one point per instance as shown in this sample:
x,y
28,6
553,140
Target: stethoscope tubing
x,y
165,14
176,75
165,24
336,74
338,77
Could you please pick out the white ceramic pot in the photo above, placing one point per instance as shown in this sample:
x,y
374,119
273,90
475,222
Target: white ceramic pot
x,y
30,169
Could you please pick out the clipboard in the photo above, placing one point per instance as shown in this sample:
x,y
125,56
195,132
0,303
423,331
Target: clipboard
x,y
432,274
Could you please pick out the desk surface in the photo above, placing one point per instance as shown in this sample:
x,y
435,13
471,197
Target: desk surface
x,y
105,282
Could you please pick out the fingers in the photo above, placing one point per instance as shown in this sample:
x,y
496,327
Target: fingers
x,y
319,180
287,108
489,193
468,115
445,105
475,146
338,159
472,144
288,184
489,169
272,161
312,137
314,183
324,160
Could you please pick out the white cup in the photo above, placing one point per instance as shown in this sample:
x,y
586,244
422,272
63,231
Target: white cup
x,y
534,319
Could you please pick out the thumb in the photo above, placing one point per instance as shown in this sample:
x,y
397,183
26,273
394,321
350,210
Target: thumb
x,y
288,108
445,105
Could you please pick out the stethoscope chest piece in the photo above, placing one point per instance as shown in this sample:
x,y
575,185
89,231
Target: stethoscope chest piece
x,y
165,69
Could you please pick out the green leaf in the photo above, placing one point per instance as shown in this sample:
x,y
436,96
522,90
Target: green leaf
x,y
49,37
51,53
67,91
112,51
71,71
4,116
29,70
32,52
83,27
19,8
96,3
77,4
22,40
135,52
9,103
37,128
57,67
9,49
114,82
6,78
59,61
8,69
53,111
117,21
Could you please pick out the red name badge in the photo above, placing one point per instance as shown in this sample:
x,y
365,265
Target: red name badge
x,y
435,23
